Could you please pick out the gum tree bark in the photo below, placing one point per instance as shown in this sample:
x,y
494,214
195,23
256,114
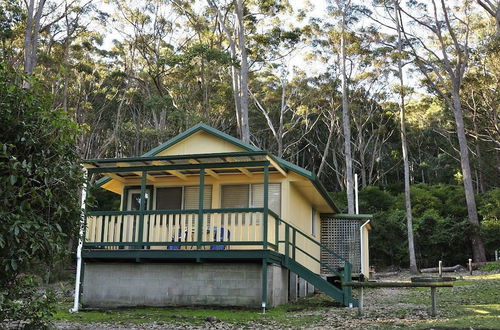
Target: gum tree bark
x,y
404,147
31,37
346,126
444,68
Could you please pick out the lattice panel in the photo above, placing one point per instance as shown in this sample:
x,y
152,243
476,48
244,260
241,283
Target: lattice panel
x,y
341,236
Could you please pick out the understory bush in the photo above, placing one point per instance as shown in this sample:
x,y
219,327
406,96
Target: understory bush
x,y
40,177
441,229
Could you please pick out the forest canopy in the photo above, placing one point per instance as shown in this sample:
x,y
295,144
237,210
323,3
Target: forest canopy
x,y
397,92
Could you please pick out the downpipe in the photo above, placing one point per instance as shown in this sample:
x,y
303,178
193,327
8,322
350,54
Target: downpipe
x,y
76,300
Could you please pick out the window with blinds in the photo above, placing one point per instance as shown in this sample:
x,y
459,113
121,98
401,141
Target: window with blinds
x,y
251,195
187,197
192,197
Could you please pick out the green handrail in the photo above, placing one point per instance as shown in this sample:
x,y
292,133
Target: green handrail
x,y
345,275
309,238
184,211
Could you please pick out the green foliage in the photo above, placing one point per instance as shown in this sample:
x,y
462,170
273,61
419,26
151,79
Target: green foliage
x,y
492,266
441,229
489,209
39,210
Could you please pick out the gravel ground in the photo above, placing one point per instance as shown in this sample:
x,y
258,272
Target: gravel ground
x,y
382,306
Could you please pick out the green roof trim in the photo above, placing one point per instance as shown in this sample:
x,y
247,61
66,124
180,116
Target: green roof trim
x,y
195,129
102,181
249,148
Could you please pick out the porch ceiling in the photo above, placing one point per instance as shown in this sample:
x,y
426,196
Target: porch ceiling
x,y
183,165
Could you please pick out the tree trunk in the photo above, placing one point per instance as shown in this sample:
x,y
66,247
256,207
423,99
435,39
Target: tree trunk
x,y
346,122
327,148
478,253
235,76
31,38
245,128
404,147
282,117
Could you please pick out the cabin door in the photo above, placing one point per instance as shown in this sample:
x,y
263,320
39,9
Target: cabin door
x,y
134,204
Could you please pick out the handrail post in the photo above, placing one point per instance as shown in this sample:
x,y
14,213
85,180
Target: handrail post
x,y
276,233
347,278
201,197
294,238
266,206
142,207
287,243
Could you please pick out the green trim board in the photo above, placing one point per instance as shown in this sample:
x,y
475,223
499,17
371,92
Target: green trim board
x,y
250,150
180,254
347,216
143,159
176,167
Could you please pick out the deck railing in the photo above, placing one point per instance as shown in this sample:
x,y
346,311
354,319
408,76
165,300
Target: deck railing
x,y
221,229
176,229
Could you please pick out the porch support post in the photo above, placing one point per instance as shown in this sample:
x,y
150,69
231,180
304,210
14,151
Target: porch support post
x,y
142,207
266,206
264,284
200,209
76,302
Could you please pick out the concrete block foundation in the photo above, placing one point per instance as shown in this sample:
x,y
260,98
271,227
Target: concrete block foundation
x,y
123,284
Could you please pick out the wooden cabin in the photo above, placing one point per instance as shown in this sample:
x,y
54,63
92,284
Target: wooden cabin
x,y
206,219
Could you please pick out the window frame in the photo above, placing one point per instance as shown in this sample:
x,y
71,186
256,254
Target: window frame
x,y
250,186
183,201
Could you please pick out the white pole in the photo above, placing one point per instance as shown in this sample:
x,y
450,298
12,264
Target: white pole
x,y
80,245
356,192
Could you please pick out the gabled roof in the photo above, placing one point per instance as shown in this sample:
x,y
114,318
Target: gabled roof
x,y
245,146
195,129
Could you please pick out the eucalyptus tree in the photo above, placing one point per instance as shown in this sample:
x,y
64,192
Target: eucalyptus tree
x,y
492,7
441,51
343,9
33,17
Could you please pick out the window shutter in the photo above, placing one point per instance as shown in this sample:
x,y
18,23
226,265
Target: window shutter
x,y
235,196
191,197
274,196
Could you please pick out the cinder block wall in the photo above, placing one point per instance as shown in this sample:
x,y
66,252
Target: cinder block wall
x,y
181,284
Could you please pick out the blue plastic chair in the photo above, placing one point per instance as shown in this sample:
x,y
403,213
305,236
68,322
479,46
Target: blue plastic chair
x,y
179,239
222,231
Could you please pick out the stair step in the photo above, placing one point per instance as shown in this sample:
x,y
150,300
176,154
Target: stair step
x,y
320,283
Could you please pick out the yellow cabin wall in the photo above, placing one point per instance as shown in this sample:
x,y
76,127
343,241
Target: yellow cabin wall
x,y
300,215
298,195
200,143
296,205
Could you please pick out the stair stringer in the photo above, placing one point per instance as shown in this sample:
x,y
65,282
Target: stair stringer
x,y
319,283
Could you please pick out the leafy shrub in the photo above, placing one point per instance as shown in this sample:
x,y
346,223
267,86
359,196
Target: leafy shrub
x,y
441,228
39,210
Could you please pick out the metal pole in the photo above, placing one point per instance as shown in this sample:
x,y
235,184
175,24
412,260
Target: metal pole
x,y
76,300
440,268
470,266
356,192
433,301
360,302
